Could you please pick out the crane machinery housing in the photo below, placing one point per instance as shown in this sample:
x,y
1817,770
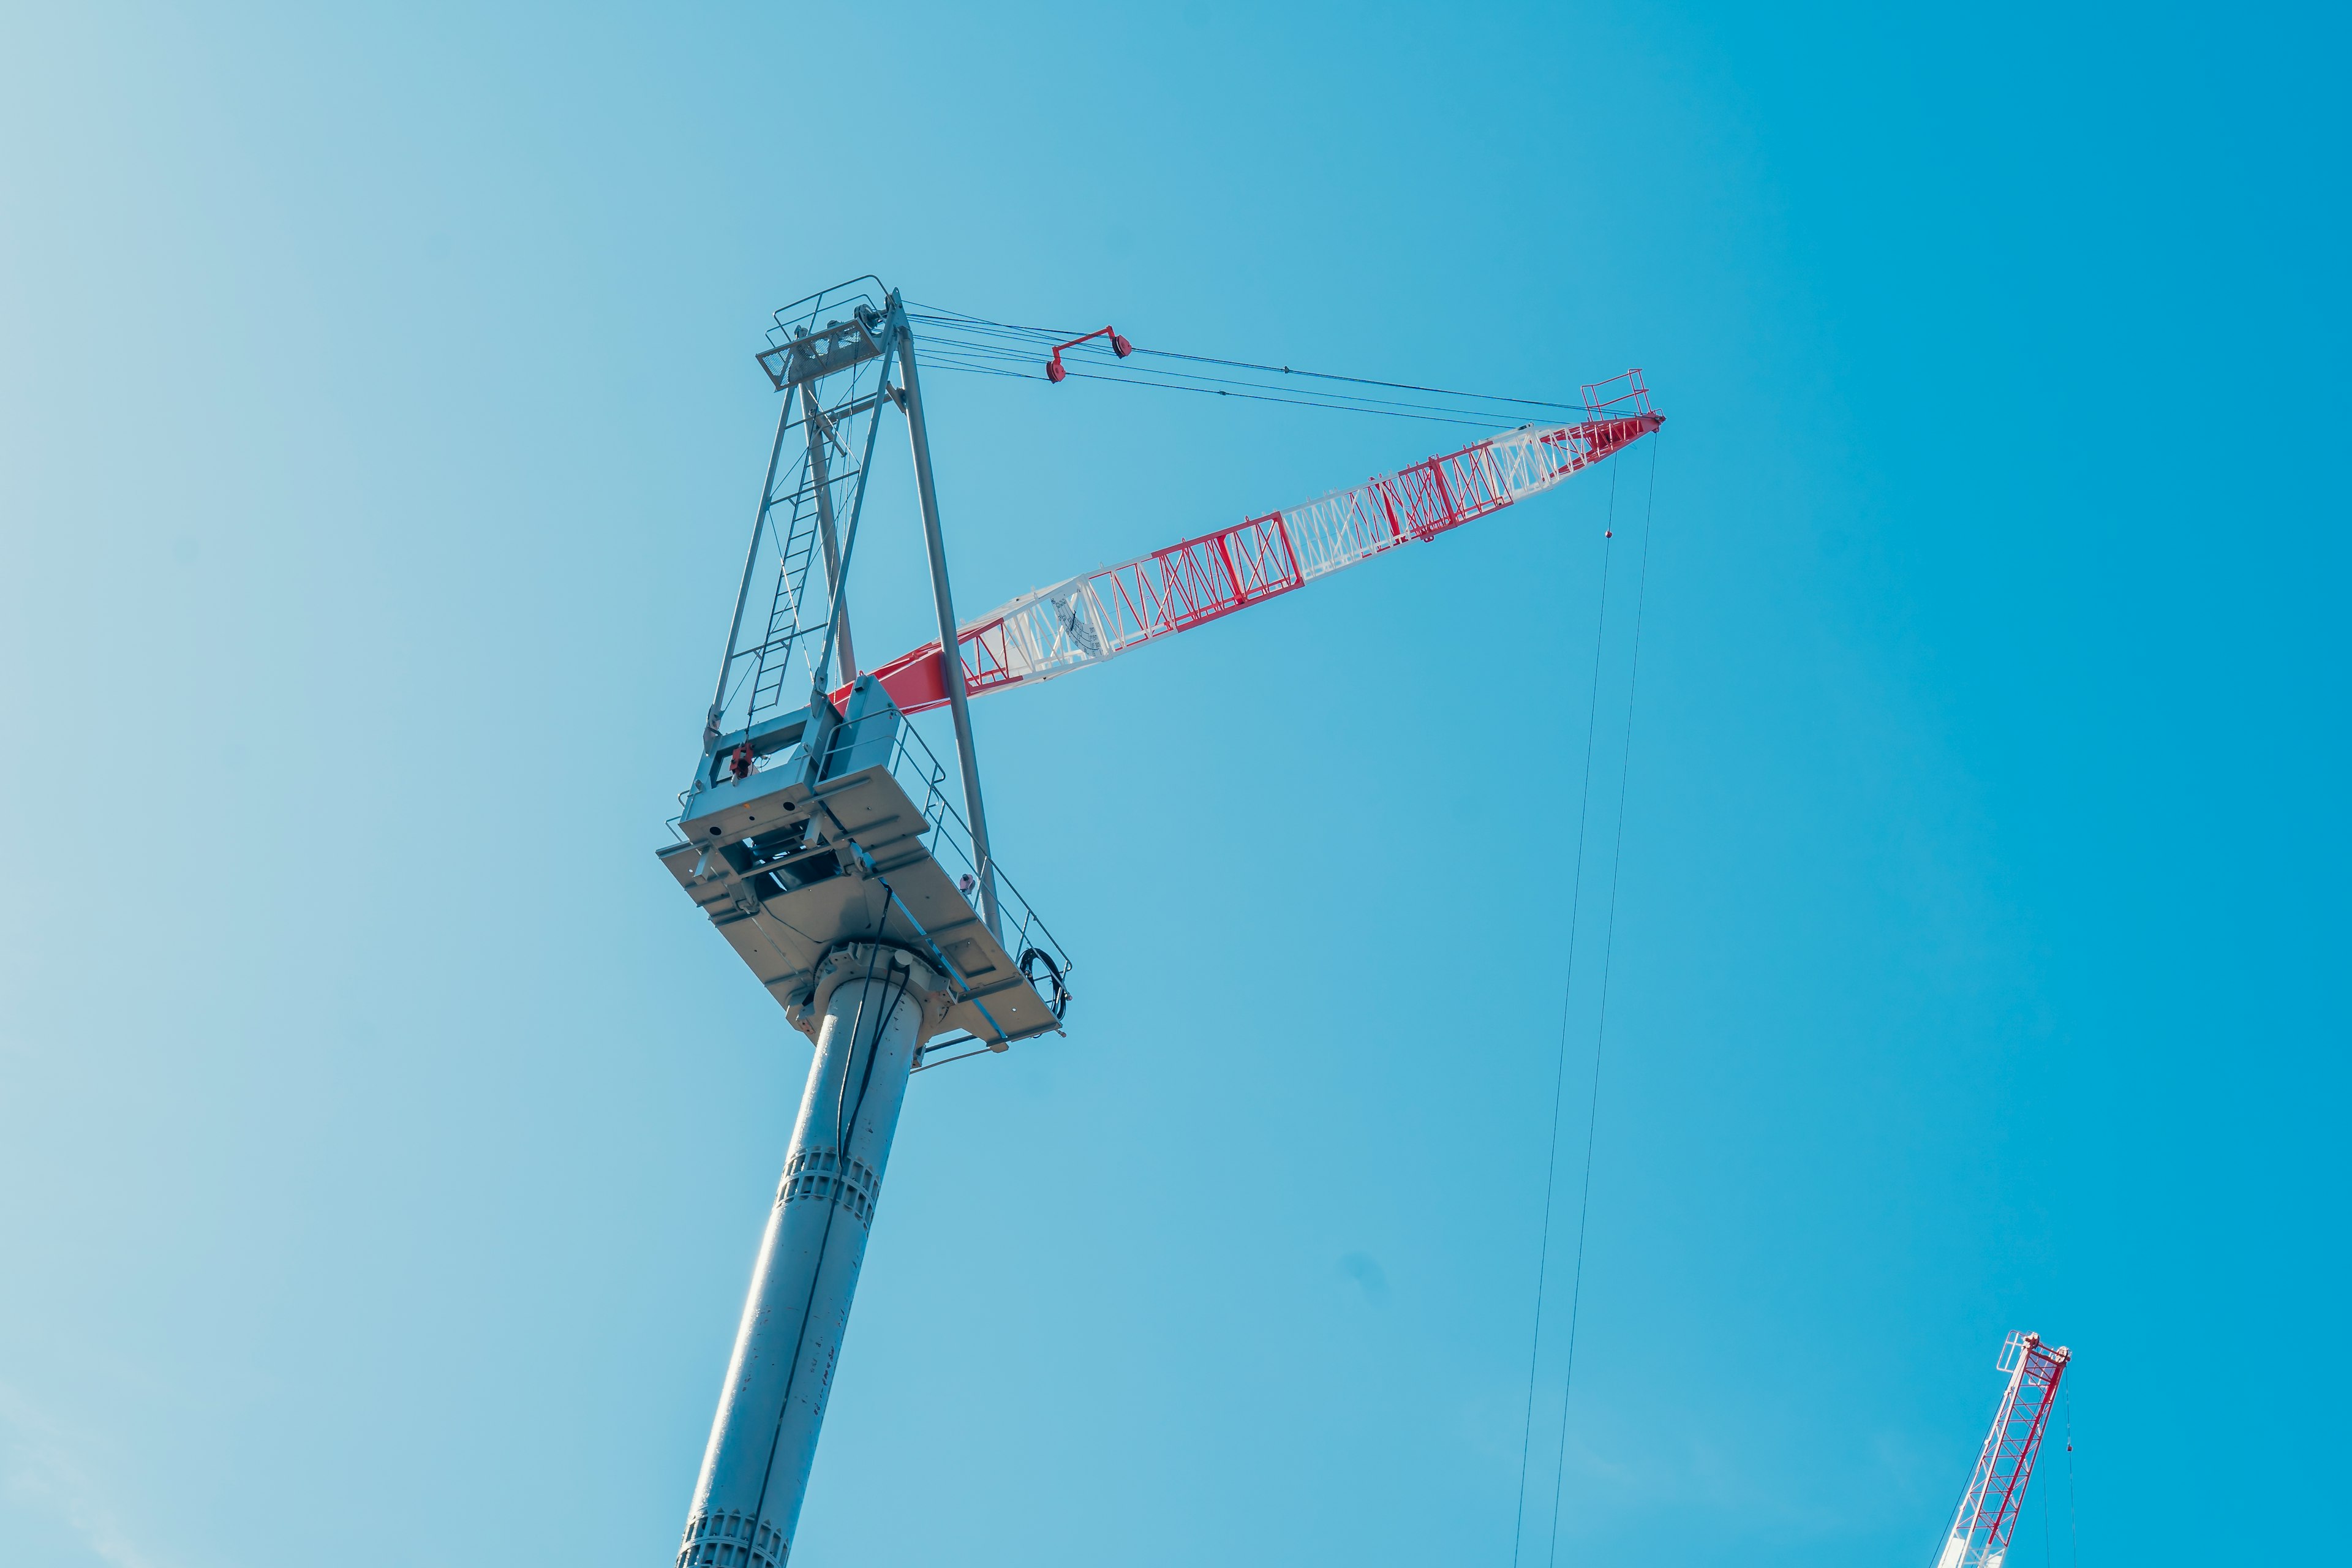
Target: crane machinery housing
x,y
821,836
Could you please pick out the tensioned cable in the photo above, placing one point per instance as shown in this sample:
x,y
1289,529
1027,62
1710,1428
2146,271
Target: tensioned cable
x,y
1296,401
1559,1066
1026,356
966,358
1336,402
1608,952
2074,1530
1037,333
954,355
1576,1290
975,346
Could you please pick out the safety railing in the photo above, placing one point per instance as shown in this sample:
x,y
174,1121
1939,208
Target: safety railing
x,y
1619,397
924,777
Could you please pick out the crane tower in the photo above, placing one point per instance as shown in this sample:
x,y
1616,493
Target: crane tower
x,y
822,838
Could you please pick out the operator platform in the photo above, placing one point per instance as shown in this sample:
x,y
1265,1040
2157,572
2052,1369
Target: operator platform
x,y
802,834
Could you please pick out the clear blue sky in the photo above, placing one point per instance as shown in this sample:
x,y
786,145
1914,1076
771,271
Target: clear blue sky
x,y
383,1141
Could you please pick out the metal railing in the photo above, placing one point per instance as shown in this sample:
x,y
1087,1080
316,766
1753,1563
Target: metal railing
x,y
924,778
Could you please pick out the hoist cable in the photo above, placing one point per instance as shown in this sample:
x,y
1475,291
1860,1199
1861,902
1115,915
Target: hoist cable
x,y
2074,1530
1607,954
1559,1064
1591,1121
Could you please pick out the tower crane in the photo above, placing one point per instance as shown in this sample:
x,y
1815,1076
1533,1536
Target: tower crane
x,y
820,837
1987,1516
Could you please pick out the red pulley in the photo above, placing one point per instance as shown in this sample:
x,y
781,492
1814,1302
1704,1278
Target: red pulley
x,y
1119,345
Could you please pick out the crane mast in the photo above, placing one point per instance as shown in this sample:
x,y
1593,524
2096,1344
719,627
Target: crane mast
x,y
1987,1516
823,841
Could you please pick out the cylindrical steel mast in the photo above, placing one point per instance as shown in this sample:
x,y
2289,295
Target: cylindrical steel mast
x,y
878,1004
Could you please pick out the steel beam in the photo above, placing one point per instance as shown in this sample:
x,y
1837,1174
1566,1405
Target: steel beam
x,y
943,601
820,432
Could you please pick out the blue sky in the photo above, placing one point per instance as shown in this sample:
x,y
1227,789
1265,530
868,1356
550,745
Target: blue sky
x,y
383,1141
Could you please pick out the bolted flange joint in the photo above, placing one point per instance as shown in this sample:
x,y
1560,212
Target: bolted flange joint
x,y
883,963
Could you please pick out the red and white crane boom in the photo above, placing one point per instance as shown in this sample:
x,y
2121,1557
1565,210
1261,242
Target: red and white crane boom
x,y
1099,615
1987,1516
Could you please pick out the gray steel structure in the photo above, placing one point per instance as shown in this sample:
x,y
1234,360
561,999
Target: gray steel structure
x,y
822,843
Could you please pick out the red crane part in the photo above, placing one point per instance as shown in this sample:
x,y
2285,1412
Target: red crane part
x,y
1989,1510
1119,345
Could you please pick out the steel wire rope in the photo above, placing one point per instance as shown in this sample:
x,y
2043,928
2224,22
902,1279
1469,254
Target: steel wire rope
x,y
1143,376
1295,402
1467,398
1341,400
1177,382
917,310
1270,369
2074,1528
986,343
1366,381
1559,1066
936,353
1607,954
933,359
1333,399
1023,351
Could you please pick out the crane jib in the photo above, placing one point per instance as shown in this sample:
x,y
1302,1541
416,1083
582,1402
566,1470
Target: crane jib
x,y
1087,619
